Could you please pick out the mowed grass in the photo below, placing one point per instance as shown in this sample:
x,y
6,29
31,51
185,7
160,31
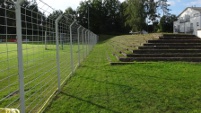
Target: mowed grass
x,y
156,87
40,72
121,45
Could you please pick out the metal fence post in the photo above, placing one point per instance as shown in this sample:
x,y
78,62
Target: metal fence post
x,y
86,43
20,54
83,35
89,42
61,40
78,40
57,50
91,37
71,47
95,38
92,41
45,40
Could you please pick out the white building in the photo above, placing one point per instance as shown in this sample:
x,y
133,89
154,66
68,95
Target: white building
x,y
188,21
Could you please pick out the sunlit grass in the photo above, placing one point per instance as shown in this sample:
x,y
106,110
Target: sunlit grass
x,y
125,44
40,72
98,87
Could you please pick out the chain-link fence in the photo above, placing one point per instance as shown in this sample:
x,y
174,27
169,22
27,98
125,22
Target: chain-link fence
x,y
40,48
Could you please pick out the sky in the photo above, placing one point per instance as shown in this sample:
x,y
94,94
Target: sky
x,y
176,6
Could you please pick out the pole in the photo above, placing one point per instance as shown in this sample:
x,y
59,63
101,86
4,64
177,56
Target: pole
x,y
45,40
71,47
86,43
57,52
83,35
88,17
61,40
20,54
78,40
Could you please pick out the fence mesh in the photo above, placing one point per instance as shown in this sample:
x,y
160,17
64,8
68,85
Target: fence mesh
x,y
9,90
53,45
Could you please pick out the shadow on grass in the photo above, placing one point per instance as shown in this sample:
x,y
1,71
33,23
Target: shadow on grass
x,y
89,102
110,83
104,38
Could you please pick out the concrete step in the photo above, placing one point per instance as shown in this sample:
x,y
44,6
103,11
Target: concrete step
x,y
181,38
148,59
178,35
175,41
166,55
172,44
148,51
169,47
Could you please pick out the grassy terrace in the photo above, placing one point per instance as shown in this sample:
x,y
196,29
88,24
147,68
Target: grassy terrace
x,y
140,87
120,46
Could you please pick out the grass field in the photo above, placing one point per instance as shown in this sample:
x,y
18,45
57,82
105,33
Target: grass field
x,y
40,72
154,87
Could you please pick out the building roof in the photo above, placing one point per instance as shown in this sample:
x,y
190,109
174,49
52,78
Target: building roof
x,y
197,8
194,8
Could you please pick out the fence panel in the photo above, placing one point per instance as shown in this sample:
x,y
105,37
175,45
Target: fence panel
x,y
9,85
44,55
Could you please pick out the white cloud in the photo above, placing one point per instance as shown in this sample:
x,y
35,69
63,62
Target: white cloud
x,y
194,3
174,2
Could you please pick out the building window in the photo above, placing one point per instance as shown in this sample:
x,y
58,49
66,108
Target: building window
x,y
196,14
198,24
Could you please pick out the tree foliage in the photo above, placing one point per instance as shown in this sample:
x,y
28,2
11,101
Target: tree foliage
x,y
100,16
151,10
30,14
7,10
69,10
166,23
163,5
135,14
104,15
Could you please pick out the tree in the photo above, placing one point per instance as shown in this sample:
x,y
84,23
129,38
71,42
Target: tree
x,y
83,13
33,20
166,23
150,7
30,14
70,11
135,14
124,28
7,9
163,5
55,14
51,20
104,16
112,11
97,16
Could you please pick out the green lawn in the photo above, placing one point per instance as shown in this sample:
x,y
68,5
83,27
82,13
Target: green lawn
x,y
40,72
98,87
126,44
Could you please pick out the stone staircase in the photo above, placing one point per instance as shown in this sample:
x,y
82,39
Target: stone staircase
x,y
169,47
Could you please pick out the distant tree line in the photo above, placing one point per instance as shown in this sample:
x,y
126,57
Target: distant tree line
x,y
10,23
112,16
100,16
34,21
